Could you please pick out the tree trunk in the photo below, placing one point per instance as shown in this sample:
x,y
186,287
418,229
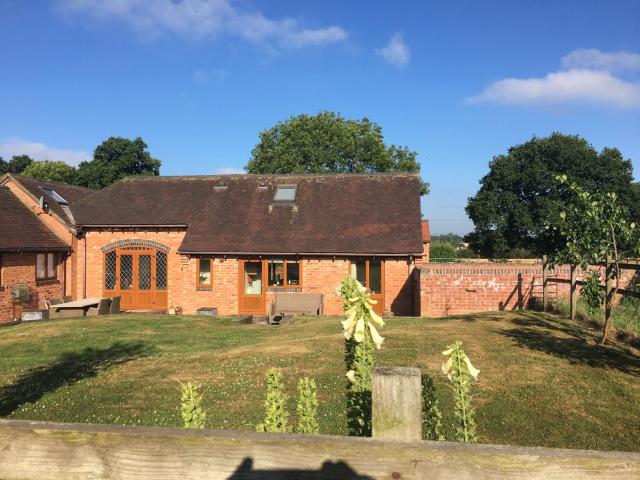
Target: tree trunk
x,y
608,300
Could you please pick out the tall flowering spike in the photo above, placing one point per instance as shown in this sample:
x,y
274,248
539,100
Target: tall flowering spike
x,y
460,371
360,317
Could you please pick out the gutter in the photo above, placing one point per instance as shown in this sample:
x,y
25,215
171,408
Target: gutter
x,y
310,254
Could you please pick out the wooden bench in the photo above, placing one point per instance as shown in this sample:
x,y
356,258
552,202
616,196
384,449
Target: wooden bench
x,y
295,303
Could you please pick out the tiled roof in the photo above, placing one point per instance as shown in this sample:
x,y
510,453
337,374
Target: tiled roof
x,y
21,230
331,213
70,193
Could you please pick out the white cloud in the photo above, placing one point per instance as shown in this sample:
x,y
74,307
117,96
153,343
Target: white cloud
x,y
595,59
40,151
204,18
229,171
396,52
571,86
204,76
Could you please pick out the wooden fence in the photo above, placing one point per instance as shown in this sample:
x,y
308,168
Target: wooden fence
x,y
573,282
53,451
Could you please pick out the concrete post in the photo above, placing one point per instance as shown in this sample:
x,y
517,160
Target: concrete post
x,y
396,404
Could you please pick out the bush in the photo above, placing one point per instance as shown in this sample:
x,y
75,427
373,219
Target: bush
x,y
439,251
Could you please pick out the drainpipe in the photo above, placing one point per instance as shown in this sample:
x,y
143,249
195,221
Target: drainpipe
x,y
84,265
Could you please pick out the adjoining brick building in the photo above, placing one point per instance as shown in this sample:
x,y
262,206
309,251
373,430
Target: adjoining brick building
x,y
234,241
37,240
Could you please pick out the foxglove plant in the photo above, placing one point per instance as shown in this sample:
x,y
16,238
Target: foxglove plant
x,y
276,417
307,406
361,335
460,371
193,415
431,414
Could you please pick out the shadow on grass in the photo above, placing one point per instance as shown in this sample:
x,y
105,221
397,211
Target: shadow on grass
x,y
570,342
69,368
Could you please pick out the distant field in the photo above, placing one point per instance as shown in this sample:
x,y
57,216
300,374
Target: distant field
x,y
543,381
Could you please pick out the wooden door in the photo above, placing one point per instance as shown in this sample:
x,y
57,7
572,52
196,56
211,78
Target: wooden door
x,y
370,273
251,287
138,275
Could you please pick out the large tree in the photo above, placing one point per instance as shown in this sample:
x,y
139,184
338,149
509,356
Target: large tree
x,y
54,171
327,142
116,158
17,164
520,193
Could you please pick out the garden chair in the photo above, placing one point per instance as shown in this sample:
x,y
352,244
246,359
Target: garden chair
x,y
102,308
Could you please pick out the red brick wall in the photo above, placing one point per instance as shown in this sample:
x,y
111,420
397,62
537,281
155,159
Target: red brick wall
x,y
21,268
321,275
453,289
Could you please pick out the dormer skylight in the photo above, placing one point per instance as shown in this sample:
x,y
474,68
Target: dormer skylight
x,y
55,195
285,193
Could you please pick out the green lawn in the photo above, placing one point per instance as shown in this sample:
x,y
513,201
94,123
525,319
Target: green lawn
x,y
543,381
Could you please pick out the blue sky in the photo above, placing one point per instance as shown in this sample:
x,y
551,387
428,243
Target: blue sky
x,y
457,81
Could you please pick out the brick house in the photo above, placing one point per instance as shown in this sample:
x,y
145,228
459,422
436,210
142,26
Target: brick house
x,y
37,239
234,241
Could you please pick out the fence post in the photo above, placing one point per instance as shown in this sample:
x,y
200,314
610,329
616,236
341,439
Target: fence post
x,y
572,293
544,283
396,403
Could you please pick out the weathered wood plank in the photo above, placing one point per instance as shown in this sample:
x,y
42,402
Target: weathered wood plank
x,y
49,451
396,403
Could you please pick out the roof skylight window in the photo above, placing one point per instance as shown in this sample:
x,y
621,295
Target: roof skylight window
x,y
285,193
55,195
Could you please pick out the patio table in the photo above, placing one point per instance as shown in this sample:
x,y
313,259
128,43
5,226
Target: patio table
x,y
79,305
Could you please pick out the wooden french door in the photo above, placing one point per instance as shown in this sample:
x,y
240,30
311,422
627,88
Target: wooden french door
x,y
370,273
138,275
251,287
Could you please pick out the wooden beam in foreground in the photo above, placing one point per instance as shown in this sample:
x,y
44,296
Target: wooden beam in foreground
x,y
52,451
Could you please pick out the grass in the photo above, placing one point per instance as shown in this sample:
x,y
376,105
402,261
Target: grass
x,y
625,315
543,381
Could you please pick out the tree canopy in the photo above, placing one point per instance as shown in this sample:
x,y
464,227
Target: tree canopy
x,y
327,142
54,171
17,164
116,158
520,193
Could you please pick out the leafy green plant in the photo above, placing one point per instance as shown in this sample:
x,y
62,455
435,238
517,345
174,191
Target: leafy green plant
x,y
591,292
360,335
459,371
431,414
594,227
276,417
193,415
307,406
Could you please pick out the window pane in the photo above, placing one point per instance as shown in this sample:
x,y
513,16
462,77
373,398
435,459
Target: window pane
x,y
253,278
205,272
276,273
41,266
51,265
375,276
126,272
161,271
144,272
359,271
285,193
110,271
293,273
